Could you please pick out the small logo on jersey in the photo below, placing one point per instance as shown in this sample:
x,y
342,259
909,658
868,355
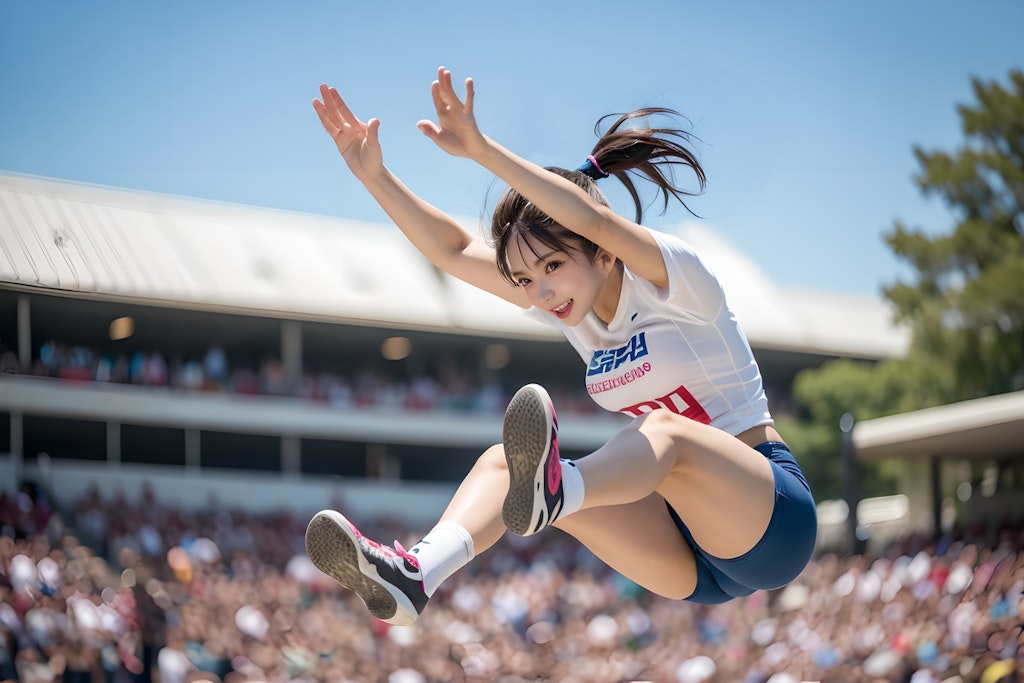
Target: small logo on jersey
x,y
606,360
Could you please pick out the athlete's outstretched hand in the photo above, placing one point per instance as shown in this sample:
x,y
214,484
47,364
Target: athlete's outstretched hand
x,y
357,141
456,131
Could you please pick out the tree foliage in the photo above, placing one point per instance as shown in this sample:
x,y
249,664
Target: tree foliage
x,y
964,302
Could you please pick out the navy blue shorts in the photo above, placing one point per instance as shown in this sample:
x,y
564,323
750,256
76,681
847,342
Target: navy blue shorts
x,y
783,551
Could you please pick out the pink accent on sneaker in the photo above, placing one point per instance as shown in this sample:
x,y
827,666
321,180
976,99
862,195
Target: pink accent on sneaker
x,y
406,555
554,461
396,551
387,580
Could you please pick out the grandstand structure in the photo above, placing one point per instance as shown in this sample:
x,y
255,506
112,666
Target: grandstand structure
x,y
961,463
357,371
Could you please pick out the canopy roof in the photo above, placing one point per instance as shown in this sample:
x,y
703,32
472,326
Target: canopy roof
x,y
990,427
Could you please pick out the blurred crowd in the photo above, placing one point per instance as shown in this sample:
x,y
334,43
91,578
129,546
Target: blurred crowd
x,y
139,590
449,389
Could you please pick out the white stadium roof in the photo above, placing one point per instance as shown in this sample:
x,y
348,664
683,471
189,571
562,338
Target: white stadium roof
x,y
65,237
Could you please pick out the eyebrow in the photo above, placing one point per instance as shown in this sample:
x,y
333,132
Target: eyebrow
x,y
540,259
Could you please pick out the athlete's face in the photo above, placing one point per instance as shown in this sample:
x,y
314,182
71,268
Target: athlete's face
x,y
564,283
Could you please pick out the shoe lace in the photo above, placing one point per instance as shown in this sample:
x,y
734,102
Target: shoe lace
x,y
406,555
387,553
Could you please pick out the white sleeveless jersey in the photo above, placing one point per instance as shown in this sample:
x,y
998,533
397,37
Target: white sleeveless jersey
x,y
679,348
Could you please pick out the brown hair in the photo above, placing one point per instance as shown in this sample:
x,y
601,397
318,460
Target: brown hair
x,y
650,153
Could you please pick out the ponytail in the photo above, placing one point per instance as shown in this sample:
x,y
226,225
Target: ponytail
x,y
651,153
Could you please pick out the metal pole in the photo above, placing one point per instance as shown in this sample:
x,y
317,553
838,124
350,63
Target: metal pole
x,y
24,333
291,355
851,481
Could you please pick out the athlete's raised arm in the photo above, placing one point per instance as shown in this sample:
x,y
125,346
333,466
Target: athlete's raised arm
x,y
456,132
434,233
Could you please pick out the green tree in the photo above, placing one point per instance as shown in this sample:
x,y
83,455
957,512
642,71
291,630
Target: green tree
x,y
863,389
964,303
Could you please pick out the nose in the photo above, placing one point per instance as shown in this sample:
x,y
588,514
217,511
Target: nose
x,y
544,291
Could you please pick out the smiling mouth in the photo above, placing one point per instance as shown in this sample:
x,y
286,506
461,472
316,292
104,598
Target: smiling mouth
x,y
562,310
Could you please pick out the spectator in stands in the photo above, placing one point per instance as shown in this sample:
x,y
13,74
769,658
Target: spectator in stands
x,y
272,379
8,362
215,366
50,358
453,389
546,609
698,498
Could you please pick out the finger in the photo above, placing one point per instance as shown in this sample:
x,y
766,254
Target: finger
x,y
372,132
325,95
329,108
435,94
448,95
342,108
325,118
428,128
470,92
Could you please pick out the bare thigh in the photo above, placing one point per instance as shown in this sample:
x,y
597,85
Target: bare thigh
x,y
641,541
722,488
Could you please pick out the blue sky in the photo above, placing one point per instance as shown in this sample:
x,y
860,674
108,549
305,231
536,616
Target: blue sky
x,y
808,111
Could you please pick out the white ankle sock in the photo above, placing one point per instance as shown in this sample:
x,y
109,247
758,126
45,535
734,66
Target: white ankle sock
x,y
443,551
572,488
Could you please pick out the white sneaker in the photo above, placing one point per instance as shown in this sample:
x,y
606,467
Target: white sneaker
x,y
388,579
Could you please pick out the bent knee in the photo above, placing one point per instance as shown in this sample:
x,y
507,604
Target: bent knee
x,y
668,422
493,458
